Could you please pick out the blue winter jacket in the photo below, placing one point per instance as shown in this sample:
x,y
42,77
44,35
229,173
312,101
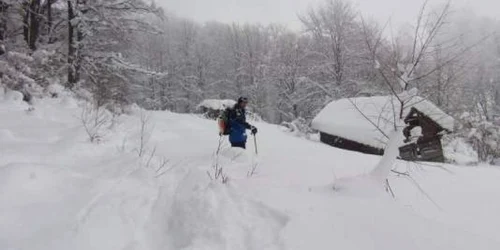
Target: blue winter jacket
x,y
238,125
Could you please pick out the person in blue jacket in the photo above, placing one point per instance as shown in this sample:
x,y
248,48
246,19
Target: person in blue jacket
x,y
238,124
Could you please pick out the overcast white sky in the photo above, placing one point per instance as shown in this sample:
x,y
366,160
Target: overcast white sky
x,y
285,11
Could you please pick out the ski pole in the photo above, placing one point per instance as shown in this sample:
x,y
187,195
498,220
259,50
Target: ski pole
x,y
255,143
251,172
220,144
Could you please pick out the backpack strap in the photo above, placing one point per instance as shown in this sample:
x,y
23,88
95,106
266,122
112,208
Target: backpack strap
x,y
224,126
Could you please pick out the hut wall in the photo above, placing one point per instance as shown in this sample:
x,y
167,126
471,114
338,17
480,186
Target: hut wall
x,y
343,143
430,128
426,150
431,150
428,147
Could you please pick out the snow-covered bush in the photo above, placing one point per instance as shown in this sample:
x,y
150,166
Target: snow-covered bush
x,y
483,135
2,91
95,119
15,71
54,90
458,150
485,138
132,109
253,117
48,69
145,132
12,95
30,74
298,127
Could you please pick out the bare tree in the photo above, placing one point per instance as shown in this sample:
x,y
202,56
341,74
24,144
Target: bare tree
x,y
332,25
145,132
3,25
297,97
338,46
400,81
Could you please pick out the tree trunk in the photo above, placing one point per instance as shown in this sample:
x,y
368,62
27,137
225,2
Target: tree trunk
x,y
25,13
31,22
79,58
83,8
49,21
391,153
72,75
339,63
3,25
34,23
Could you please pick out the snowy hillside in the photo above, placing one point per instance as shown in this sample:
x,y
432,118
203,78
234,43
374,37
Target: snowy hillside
x,y
58,191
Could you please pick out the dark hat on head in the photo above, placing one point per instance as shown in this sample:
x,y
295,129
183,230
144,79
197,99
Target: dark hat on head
x,y
242,99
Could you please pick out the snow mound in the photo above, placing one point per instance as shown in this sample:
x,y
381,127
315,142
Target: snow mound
x,y
209,215
14,96
55,89
69,102
236,155
6,135
29,195
359,186
2,92
26,180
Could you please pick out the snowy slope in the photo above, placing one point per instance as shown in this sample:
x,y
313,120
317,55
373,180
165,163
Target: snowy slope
x,y
59,192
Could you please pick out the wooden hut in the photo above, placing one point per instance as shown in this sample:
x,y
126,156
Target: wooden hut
x,y
212,108
362,124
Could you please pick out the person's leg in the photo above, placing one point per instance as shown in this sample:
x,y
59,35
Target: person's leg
x,y
238,145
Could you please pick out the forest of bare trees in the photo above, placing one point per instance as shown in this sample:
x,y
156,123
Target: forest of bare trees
x,y
119,52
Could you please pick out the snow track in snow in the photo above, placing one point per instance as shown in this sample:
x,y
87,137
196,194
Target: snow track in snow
x,y
208,215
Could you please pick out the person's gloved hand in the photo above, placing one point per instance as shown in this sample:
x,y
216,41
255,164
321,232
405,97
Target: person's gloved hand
x,y
254,130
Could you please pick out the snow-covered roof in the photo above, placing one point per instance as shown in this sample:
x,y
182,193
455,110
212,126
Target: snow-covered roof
x,y
216,104
357,119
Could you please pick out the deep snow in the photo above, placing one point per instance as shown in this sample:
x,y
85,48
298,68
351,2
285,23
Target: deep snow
x,y
59,192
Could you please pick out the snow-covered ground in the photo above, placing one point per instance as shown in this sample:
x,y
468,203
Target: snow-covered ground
x,y
58,191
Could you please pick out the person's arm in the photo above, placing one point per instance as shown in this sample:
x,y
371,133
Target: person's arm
x,y
250,127
242,119
253,129
247,125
